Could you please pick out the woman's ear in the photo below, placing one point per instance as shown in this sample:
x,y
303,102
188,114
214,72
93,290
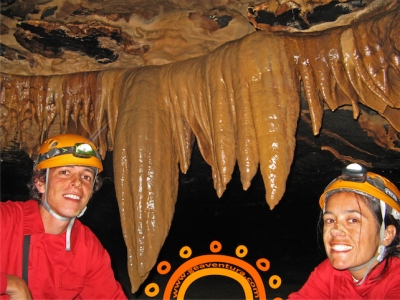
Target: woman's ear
x,y
390,233
40,185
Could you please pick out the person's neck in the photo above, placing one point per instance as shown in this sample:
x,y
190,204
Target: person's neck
x,y
51,224
359,274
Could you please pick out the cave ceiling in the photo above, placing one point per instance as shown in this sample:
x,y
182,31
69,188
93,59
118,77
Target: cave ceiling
x,y
254,85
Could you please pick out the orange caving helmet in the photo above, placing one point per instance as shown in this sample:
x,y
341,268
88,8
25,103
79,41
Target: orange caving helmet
x,y
355,178
68,150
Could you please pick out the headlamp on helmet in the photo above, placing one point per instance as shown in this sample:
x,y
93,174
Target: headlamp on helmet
x,y
67,150
355,178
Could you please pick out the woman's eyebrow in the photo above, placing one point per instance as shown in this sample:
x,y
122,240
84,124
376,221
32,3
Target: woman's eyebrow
x,y
354,211
349,211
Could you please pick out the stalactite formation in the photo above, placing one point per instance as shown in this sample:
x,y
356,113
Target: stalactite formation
x,y
241,102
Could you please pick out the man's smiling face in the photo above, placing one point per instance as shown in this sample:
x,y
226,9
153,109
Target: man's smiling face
x,y
69,189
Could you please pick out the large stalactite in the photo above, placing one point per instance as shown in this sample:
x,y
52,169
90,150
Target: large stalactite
x,y
241,102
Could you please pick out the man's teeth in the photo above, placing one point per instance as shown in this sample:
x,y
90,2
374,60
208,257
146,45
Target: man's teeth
x,y
341,247
75,197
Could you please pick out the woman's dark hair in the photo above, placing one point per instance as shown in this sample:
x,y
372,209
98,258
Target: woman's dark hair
x,y
40,175
373,204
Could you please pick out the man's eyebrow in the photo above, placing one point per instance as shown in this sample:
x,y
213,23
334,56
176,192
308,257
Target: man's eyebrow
x,y
90,169
86,168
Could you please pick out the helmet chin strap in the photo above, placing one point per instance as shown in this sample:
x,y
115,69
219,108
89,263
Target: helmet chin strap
x,y
381,249
46,205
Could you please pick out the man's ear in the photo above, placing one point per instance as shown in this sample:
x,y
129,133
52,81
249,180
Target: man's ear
x,y
390,233
40,185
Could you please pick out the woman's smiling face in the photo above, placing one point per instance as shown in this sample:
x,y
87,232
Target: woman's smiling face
x,y
351,232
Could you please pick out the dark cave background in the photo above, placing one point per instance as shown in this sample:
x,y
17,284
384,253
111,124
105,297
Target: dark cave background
x,y
287,235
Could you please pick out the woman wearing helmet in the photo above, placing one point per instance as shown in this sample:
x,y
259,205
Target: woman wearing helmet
x,y
361,234
46,253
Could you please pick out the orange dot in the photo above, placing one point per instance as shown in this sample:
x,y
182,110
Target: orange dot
x,y
163,267
215,246
152,290
241,251
263,264
275,281
185,252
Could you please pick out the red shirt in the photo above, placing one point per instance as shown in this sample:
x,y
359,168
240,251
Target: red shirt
x,y
325,282
53,273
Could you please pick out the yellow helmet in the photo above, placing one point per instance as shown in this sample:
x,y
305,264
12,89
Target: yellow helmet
x,y
67,150
356,178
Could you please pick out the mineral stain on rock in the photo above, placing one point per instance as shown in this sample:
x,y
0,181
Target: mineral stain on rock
x,y
51,41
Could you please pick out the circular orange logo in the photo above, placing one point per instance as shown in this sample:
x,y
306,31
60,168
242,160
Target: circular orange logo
x,y
214,264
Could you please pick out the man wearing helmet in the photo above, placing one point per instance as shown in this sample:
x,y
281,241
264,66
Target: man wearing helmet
x,y
361,234
45,252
